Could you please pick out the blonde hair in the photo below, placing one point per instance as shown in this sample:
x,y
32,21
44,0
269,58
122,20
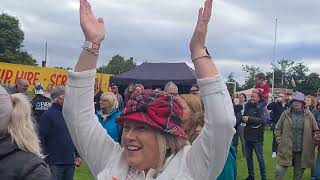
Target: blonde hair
x,y
111,98
313,100
21,126
195,105
168,145
196,121
193,102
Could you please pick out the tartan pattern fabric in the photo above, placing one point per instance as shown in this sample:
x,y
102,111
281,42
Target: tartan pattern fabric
x,y
158,109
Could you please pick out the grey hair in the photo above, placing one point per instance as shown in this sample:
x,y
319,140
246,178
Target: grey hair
x,y
170,84
21,80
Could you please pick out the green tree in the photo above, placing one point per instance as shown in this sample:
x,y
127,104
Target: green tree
x,y
299,74
11,38
282,75
17,57
251,72
310,85
299,71
129,64
118,65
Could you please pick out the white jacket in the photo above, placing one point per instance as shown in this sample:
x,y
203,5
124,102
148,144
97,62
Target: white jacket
x,y
204,160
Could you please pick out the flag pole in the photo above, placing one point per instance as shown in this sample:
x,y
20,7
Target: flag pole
x,y
44,62
274,54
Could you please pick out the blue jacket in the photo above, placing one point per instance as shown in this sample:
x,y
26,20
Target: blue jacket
x,y
55,138
110,124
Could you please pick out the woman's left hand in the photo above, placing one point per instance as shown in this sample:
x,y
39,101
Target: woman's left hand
x,y
92,27
199,36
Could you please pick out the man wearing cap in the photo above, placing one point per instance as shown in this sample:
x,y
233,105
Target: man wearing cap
x,y
115,90
40,103
55,139
294,134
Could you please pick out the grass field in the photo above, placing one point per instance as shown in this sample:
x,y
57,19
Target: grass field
x,y
83,173
270,163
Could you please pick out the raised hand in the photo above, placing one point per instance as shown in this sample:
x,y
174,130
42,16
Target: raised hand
x,y
199,36
92,27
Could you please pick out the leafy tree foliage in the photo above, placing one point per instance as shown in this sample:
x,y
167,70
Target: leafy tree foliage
x,y
11,38
118,65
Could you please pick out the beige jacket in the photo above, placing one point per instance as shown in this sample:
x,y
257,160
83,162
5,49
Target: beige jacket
x,y
283,134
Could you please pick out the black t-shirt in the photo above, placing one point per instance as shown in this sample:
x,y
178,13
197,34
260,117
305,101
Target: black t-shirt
x,y
40,104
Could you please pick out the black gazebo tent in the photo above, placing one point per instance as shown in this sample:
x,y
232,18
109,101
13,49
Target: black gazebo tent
x,y
155,75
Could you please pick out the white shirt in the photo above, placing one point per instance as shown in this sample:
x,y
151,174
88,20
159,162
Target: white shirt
x,y
204,160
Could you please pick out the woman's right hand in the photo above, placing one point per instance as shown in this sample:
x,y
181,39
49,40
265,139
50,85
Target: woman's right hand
x,y
198,39
92,27
204,64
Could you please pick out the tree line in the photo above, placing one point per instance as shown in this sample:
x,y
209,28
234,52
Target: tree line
x,y
287,74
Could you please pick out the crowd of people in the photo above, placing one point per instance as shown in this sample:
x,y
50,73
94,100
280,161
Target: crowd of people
x,y
152,133
294,120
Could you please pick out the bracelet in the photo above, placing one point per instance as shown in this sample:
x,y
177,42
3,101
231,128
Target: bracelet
x,y
194,60
91,47
91,51
200,54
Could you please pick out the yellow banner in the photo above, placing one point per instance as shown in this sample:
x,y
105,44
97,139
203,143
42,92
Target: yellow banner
x,y
49,77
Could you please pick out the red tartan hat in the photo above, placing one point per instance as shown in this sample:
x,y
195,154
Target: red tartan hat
x,y
160,110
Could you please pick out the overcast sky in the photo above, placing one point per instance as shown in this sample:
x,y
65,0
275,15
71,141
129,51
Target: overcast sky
x,y
240,32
